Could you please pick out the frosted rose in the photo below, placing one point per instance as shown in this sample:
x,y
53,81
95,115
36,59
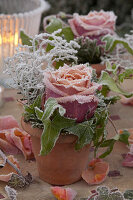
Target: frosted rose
x,y
93,25
73,89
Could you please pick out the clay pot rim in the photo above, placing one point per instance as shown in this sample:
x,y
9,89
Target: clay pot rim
x,y
36,132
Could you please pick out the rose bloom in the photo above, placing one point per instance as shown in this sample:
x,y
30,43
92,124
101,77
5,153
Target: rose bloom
x,y
93,25
73,89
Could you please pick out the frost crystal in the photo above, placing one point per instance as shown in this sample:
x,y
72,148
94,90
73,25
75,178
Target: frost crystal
x,y
11,193
27,65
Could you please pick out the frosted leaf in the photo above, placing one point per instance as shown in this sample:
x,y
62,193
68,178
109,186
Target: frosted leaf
x,y
27,65
120,56
12,193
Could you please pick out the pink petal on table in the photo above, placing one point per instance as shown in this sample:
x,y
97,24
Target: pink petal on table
x,y
96,172
128,161
18,139
115,117
8,122
8,99
63,193
1,196
126,101
8,147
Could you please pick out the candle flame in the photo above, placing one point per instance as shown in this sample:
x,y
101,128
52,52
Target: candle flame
x,y
9,38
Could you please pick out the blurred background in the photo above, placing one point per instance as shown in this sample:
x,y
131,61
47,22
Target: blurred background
x,y
122,8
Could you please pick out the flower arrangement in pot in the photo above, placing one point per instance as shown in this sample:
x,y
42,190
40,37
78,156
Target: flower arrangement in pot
x,y
66,112
87,31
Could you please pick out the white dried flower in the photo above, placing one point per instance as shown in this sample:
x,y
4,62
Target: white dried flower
x,y
26,66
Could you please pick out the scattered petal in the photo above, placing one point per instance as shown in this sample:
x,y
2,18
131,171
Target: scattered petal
x,y
8,99
8,122
114,173
16,141
123,155
7,170
115,117
96,172
63,193
1,196
127,101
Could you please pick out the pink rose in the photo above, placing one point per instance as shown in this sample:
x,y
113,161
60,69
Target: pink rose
x,y
93,25
73,89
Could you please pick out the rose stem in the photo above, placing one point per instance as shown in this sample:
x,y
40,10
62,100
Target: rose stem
x,y
113,125
10,163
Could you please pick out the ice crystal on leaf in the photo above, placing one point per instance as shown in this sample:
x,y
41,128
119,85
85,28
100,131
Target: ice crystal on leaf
x,y
119,50
11,193
27,65
104,193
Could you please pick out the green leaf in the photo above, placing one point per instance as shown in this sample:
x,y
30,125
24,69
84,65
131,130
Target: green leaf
x,y
109,144
128,194
54,25
68,34
111,99
30,113
84,131
39,113
37,102
106,79
109,41
127,74
124,137
26,40
111,44
51,132
50,106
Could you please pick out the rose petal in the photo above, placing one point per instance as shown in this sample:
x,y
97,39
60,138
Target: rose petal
x,y
126,101
8,122
7,171
96,172
63,193
16,138
128,161
77,106
93,24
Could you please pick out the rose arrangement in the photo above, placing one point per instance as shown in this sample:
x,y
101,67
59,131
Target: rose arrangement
x,y
94,25
74,89
95,33
68,101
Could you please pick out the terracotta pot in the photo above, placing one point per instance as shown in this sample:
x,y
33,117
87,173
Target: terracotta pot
x,y
98,67
63,165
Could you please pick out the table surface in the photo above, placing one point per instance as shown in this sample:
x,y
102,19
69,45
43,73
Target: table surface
x,y
40,190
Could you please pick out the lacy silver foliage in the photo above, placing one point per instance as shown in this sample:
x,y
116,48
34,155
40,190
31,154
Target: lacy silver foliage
x,y
27,65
